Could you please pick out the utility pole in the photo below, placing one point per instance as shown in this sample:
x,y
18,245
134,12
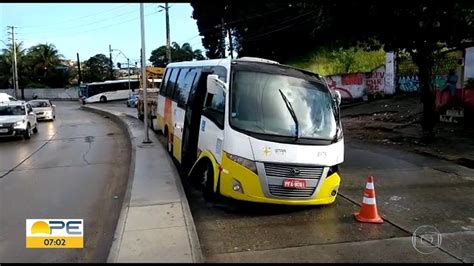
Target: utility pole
x,y
230,45
168,46
144,77
111,63
223,38
79,80
14,66
129,87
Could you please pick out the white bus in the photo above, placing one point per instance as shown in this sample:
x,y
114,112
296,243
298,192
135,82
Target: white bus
x,y
254,130
109,90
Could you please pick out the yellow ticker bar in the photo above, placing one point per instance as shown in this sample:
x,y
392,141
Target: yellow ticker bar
x,y
55,242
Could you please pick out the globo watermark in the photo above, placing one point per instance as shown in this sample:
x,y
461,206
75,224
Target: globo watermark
x,y
426,239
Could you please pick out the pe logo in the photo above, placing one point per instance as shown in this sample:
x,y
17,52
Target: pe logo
x,y
54,233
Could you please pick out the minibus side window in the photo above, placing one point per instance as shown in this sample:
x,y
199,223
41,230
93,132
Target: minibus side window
x,y
172,83
164,87
214,108
180,83
186,87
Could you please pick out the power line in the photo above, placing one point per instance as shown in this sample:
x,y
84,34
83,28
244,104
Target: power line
x,y
91,30
75,19
255,37
218,26
113,16
82,25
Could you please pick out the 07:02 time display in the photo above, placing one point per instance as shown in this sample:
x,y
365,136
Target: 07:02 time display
x,y
54,242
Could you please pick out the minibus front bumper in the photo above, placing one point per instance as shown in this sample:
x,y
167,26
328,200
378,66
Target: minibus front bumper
x,y
266,184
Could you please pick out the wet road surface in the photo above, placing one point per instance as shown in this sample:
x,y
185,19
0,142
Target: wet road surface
x,y
411,190
72,169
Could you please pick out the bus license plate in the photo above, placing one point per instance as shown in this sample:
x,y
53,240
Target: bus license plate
x,y
294,183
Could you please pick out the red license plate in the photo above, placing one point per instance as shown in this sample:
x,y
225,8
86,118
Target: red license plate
x,y
294,183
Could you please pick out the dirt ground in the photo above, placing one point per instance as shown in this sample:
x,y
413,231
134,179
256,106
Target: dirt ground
x,y
396,121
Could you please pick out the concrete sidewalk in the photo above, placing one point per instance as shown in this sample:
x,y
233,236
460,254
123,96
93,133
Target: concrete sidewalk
x,y
155,223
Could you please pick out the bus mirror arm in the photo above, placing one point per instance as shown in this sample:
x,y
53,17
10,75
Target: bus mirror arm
x,y
337,97
214,84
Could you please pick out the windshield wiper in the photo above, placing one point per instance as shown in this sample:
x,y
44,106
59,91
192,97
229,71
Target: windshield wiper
x,y
292,112
337,116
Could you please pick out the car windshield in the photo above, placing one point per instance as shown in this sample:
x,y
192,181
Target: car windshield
x,y
39,104
12,110
264,103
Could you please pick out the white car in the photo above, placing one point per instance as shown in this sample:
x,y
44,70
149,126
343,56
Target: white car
x,y
43,109
17,118
6,97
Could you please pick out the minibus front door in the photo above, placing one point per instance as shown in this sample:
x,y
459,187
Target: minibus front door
x,y
192,120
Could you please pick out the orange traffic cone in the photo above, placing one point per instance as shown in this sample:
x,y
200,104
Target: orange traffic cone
x,y
368,211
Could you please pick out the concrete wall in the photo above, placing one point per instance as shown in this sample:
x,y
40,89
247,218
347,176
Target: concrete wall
x,y
357,85
51,93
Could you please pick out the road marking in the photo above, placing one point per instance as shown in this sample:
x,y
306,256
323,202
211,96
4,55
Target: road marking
x,y
28,157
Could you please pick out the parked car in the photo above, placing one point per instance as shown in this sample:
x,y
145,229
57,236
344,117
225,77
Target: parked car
x,y
17,118
132,101
43,109
6,97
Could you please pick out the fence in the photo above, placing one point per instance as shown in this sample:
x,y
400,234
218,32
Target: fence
x,y
49,93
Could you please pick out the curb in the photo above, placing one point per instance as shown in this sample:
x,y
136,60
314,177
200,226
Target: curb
x,y
193,238
466,162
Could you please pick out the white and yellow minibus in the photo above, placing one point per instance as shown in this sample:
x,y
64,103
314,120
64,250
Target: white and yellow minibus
x,y
252,129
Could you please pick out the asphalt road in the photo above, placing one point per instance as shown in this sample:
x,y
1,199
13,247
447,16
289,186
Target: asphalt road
x,y
75,168
411,190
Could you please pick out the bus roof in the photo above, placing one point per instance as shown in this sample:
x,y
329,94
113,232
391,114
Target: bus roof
x,y
211,62
226,63
111,81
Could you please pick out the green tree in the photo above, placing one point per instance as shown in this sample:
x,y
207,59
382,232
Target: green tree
x,y
96,68
424,29
45,58
45,62
6,67
178,54
327,61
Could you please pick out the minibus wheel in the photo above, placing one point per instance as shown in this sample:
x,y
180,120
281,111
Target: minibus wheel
x,y
169,143
207,183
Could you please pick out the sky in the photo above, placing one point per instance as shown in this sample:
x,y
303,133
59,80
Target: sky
x,y
89,28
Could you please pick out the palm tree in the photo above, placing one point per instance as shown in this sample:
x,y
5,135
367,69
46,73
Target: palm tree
x,y
8,53
178,53
6,65
45,57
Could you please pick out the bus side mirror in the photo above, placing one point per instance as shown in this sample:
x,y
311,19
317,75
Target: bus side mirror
x,y
337,97
214,84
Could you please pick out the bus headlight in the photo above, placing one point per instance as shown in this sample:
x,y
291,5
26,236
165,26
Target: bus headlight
x,y
244,162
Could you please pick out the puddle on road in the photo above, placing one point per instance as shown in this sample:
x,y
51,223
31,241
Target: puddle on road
x,y
395,198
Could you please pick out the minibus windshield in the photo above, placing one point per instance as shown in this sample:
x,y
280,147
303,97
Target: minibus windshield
x,y
257,106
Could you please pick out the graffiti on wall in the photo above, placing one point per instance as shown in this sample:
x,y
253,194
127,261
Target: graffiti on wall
x,y
351,86
375,81
355,86
409,83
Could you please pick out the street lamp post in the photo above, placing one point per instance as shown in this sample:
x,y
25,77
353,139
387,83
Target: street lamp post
x,y
128,66
129,88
